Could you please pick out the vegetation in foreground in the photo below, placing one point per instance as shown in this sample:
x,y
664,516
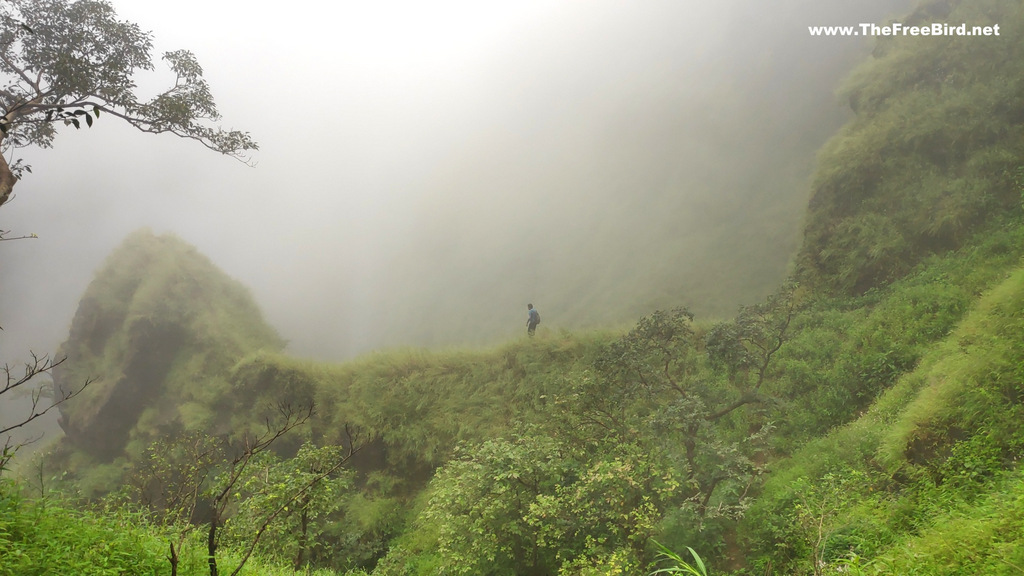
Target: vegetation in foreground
x,y
861,422
897,408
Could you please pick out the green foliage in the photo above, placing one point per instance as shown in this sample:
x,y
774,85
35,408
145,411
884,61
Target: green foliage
x,y
817,509
744,346
66,62
482,501
422,404
980,538
414,405
308,499
617,563
678,564
974,388
582,490
369,524
170,478
942,439
611,510
533,506
682,390
240,494
845,352
56,536
44,537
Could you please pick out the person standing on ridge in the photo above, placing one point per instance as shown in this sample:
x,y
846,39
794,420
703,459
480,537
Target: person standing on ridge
x,y
532,319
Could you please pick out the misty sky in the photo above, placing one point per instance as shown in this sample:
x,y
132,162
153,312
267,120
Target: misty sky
x,y
405,145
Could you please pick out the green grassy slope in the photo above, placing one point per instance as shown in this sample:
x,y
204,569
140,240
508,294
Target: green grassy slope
x,y
48,536
909,364
935,455
933,153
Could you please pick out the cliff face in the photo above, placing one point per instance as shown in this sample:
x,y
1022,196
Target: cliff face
x,y
155,335
931,158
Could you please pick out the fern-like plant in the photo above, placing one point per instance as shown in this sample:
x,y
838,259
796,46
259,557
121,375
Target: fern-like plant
x,y
678,565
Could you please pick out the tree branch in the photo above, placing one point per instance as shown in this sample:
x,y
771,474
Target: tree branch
x,y
3,235
745,398
38,365
352,450
20,72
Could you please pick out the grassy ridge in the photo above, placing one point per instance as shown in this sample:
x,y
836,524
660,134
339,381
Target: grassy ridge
x,y
421,404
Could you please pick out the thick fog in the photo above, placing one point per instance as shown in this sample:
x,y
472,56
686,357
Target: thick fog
x,y
428,168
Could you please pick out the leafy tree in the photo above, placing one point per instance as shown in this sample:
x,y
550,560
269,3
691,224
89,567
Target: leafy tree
x,y
480,503
746,346
307,488
658,384
170,480
226,485
533,506
198,478
818,510
675,391
610,509
71,63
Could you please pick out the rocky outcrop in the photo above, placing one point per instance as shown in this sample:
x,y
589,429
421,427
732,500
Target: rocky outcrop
x,y
155,337
101,426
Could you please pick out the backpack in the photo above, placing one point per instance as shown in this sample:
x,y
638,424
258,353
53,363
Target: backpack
x,y
536,316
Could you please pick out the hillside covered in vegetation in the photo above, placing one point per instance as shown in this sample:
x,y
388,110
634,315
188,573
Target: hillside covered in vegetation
x,y
863,419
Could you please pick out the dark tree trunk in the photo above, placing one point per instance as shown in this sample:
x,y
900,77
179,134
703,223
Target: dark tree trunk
x,y
7,180
174,560
211,544
303,536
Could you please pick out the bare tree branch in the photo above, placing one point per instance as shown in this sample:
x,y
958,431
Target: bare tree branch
x,y
4,233
37,366
34,368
